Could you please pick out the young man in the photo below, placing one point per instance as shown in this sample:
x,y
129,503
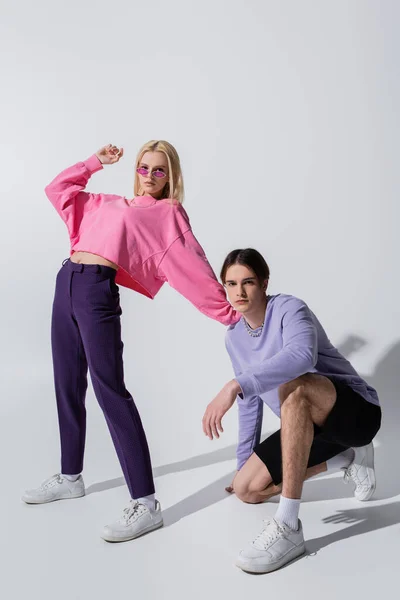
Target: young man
x,y
282,357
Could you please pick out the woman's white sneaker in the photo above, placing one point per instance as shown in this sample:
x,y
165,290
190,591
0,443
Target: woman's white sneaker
x,y
55,488
362,472
137,519
273,548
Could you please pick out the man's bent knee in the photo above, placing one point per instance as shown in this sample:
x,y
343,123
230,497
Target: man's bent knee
x,y
247,491
245,494
292,389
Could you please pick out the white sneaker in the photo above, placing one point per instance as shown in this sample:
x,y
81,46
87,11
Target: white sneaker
x,y
137,519
362,472
275,546
55,488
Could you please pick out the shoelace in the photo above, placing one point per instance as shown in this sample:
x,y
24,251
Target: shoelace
x,y
348,474
271,532
51,482
133,510
351,474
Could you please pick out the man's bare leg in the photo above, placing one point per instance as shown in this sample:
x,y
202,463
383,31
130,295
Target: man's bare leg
x,y
274,490
253,484
306,401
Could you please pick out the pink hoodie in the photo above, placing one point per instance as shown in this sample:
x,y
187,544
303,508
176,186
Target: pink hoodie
x,y
150,240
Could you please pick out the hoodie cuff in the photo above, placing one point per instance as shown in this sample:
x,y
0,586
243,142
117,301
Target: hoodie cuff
x,y
93,164
240,462
248,384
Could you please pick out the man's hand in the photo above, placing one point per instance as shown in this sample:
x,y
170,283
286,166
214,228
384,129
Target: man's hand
x,y
218,407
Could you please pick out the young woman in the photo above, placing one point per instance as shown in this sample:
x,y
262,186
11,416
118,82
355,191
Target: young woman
x,y
139,243
282,357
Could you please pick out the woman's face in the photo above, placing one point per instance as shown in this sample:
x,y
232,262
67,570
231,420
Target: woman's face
x,y
244,290
154,175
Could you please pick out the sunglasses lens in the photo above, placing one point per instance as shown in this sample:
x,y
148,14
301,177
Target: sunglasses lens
x,y
143,171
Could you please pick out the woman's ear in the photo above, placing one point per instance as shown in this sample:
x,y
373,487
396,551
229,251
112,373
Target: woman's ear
x,y
265,285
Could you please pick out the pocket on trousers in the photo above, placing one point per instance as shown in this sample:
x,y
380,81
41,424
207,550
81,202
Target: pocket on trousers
x,y
103,294
113,288
113,291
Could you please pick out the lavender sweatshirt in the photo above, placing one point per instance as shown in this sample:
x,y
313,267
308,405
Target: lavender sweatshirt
x,y
292,343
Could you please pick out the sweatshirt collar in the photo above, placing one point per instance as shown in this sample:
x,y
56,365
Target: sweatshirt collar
x,y
143,201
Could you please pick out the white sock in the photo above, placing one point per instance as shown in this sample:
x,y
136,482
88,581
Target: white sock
x,y
70,477
288,512
149,501
340,461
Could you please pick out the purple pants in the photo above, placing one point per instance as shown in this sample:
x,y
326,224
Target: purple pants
x,y
86,332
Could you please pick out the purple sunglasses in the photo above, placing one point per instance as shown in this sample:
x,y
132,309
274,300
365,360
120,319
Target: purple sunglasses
x,y
145,171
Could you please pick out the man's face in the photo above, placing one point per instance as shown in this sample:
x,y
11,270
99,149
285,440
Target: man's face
x,y
245,292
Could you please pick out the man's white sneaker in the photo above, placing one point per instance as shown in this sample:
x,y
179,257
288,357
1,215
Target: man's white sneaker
x,y
55,488
137,519
362,472
273,548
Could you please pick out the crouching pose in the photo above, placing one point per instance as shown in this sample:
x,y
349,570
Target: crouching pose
x,y
329,415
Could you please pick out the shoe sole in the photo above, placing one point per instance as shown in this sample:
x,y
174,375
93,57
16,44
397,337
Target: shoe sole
x,y
53,499
300,551
114,540
371,475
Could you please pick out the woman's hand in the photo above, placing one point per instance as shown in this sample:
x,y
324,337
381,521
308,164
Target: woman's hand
x,y
218,407
230,489
108,155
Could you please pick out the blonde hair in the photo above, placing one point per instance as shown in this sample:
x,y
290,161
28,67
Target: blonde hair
x,y
173,189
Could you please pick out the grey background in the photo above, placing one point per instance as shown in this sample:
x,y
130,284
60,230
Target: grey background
x,y
285,115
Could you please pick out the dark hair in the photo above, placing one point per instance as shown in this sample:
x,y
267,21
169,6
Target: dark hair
x,y
247,257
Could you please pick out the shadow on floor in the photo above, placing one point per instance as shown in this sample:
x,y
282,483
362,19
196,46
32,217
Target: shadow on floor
x,y
361,520
386,379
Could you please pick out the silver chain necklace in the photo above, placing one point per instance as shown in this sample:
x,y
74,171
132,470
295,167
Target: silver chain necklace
x,y
251,331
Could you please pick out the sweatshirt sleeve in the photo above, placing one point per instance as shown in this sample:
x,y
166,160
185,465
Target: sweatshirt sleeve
x,y
66,193
186,268
250,418
298,355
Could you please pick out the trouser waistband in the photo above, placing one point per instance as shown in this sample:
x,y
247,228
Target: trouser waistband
x,y
79,268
